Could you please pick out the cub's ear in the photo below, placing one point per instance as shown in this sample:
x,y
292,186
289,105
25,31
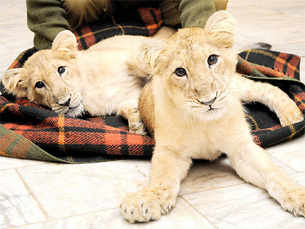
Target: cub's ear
x,y
220,29
151,49
144,61
14,83
65,41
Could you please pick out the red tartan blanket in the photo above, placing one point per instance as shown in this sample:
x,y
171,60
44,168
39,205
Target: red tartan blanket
x,y
30,131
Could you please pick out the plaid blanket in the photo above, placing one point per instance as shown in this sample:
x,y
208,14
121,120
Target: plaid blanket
x,y
33,132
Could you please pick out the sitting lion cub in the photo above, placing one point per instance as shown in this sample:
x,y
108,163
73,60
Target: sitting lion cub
x,y
193,107
70,81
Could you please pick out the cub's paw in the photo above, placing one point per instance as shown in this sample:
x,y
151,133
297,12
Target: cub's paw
x,y
137,128
145,206
294,201
292,114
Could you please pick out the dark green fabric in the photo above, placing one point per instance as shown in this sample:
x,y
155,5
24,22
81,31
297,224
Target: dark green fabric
x,y
46,18
17,146
195,13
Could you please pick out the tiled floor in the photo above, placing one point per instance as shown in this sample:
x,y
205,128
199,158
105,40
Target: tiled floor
x,y
39,195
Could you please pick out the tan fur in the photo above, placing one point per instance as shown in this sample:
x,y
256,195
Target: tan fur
x,y
184,128
95,80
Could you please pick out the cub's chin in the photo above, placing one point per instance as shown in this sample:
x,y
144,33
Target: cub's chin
x,y
212,114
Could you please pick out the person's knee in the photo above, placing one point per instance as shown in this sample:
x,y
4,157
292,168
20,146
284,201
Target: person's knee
x,y
221,4
84,11
171,12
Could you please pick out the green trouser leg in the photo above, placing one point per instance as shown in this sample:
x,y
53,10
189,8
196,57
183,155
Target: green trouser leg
x,y
189,13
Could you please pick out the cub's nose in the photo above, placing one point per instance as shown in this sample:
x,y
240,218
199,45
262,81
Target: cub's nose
x,y
208,103
66,104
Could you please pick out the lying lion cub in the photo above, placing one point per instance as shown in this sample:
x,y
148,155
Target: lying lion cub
x,y
70,81
193,107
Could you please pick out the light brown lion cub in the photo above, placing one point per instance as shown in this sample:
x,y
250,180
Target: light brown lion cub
x,y
70,81
193,107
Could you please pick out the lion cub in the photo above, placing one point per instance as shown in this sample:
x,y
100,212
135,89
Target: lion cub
x,y
70,81
193,107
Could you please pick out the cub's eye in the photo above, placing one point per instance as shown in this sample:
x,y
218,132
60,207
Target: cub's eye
x,y
61,70
180,72
39,84
212,59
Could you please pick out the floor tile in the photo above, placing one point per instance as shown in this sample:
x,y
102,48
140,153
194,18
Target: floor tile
x,y
280,24
223,225
294,159
206,175
290,153
300,178
79,189
183,216
244,207
264,214
12,163
222,202
17,206
15,36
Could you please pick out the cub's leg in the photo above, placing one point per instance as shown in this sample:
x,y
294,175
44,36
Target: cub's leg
x,y
273,97
159,196
254,165
132,114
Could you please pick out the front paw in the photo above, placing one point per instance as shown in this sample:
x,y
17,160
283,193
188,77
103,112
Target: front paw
x,y
145,205
137,128
294,201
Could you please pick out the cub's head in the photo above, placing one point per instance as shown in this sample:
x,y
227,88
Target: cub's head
x,y
193,68
46,77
